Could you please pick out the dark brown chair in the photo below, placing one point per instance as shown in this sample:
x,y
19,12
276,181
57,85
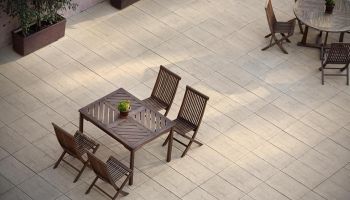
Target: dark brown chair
x,y
286,29
190,117
76,146
338,53
163,91
110,172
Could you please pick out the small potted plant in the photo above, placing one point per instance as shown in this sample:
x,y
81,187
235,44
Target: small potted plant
x,y
329,6
40,23
124,108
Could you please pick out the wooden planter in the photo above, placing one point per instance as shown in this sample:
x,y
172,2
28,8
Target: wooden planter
x,y
26,45
120,4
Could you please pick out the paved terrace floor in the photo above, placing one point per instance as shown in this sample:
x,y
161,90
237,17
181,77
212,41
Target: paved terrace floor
x,y
271,130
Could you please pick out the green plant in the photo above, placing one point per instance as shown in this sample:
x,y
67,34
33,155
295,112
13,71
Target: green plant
x,y
330,2
124,106
35,12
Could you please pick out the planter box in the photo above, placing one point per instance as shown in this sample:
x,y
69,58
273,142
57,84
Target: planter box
x,y
26,45
120,4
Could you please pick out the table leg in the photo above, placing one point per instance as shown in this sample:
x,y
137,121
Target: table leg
x,y
170,145
341,38
81,123
132,160
303,41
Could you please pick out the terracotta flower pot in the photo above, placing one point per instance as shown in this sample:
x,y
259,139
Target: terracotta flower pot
x,y
123,114
329,8
27,44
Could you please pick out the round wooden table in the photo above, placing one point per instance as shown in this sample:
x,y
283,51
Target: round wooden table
x,y
312,14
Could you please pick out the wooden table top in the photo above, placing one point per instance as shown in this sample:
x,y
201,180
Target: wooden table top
x,y
312,13
141,126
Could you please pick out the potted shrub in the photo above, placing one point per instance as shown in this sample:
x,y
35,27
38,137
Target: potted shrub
x,y
40,23
124,108
120,4
329,6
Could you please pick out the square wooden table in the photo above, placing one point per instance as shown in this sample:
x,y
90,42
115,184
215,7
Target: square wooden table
x,y
141,126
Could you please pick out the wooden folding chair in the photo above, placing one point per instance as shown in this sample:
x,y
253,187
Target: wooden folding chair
x,y
276,27
338,53
164,90
76,146
110,172
190,117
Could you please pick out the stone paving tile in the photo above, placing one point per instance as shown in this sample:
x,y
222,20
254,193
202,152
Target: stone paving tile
x,y
270,131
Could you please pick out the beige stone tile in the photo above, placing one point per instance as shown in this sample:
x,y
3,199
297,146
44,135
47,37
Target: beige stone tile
x,y
265,192
61,82
9,113
15,194
287,186
320,123
78,193
5,185
289,144
312,196
11,141
333,151
257,166
263,90
198,194
36,65
14,171
233,109
3,153
217,120
273,155
244,137
45,116
240,178
329,190
291,106
29,129
7,87
221,189
342,137
276,116
18,74
210,158
228,148
49,144
66,108
334,113
206,133
261,127
54,56
237,74
42,91
342,178
33,158
153,190
23,101
305,133
192,169
304,174
252,65
319,162
342,100
60,178
175,182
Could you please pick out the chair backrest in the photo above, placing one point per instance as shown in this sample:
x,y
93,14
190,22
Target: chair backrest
x,y
339,53
271,18
193,106
66,140
99,167
166,85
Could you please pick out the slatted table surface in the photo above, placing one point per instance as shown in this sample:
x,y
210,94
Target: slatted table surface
x,y
140,127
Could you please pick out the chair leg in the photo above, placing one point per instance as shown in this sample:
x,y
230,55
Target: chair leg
x,y
192,139
279,44
80,172
120,189
268,46
268,35
59,160
285,37
347,75
92,184
322,69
